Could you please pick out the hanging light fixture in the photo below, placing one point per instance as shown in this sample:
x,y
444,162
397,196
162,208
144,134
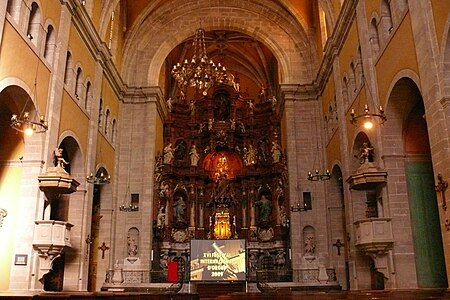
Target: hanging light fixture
x,y
100,179
317,174
28,122
200,72
367,119
128,205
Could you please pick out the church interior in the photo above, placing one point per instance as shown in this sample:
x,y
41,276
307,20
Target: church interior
x,y
198,149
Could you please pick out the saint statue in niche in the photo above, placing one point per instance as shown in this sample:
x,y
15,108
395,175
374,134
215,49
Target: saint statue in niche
x,y
180,149
221,107
179,208
265,208
168,154
193,154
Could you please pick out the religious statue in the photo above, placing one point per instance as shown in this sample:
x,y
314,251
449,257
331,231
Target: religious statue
x,y
210,124
179,209
163,190
365,152
310,245
276,152
221,107
60,161
193,154
265,208
274,102
250,155
161,217
235,82
251,106
168,154
252,261
180,150
163,260
280,258
132,247
233,124
158,169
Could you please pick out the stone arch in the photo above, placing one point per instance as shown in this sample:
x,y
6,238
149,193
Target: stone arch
x,y
88,96
360,138
133,240
69,69
289,45
411,160
13,7
50,42
386,18
345,91
338,233
309,241
79,83
374,38
34,23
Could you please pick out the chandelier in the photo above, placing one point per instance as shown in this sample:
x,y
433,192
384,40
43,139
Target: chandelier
x,y
319,176
368,119
27,124
130,206
200,72
98,180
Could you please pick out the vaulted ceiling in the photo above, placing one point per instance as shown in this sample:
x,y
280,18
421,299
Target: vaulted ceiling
x,y
165,28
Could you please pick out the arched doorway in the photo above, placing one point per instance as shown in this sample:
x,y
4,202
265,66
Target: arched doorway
x,y
338,234
407,115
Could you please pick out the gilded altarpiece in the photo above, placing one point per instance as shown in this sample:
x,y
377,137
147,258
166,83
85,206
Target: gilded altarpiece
x,y
222,175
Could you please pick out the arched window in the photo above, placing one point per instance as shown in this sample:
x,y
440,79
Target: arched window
x,y
359,69
13,9
107,116
352,80
114,131
345,92
79,83
34,23
50,44
386,24
88,96
374,41
68,71
100,113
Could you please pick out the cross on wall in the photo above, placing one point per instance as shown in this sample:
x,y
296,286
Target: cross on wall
x,y
103,248
441,187
338,245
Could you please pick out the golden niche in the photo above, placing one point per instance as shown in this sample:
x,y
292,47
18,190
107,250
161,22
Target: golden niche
x,y
222,227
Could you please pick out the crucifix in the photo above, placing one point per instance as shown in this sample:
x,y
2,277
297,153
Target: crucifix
x,y
441,187
103,247
338,245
